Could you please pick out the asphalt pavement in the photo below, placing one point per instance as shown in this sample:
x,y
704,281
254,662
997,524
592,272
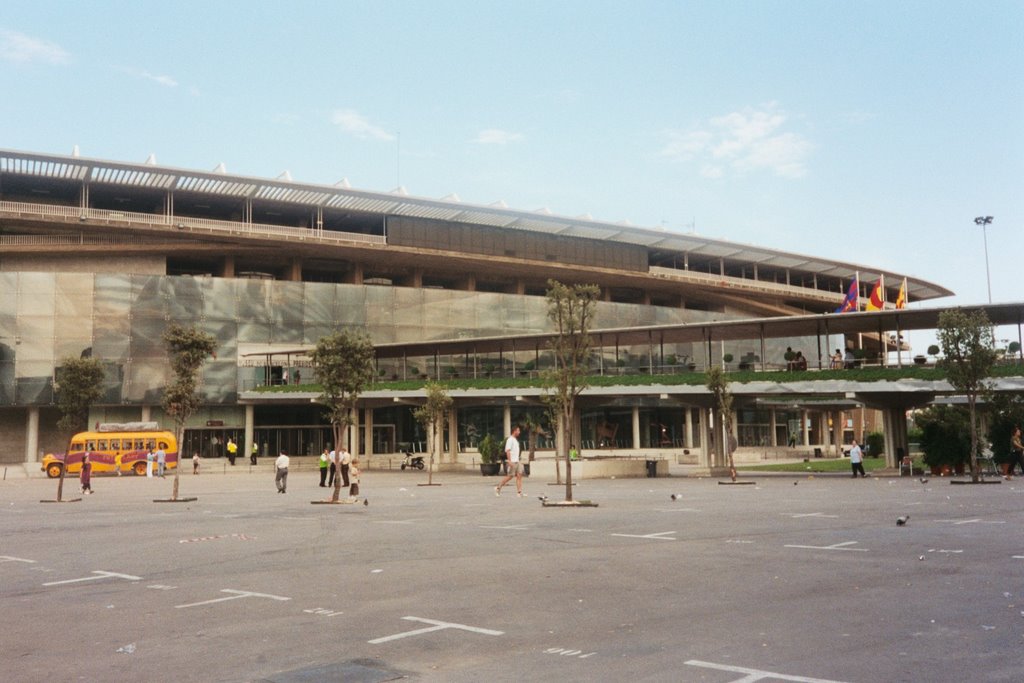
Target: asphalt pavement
x,y
799,578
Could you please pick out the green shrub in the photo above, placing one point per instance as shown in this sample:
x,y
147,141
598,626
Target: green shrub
x,y
489,448
876,444
945,435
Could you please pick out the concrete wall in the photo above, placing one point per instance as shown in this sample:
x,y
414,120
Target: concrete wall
x,y
94,263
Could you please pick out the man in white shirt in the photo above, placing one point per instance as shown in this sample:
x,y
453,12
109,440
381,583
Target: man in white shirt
x,y
281,467
515,468
345,459
857,460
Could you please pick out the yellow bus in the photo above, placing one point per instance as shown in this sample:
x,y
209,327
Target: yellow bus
x,y
116,448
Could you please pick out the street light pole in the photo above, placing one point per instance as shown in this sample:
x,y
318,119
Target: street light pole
x,y
984,221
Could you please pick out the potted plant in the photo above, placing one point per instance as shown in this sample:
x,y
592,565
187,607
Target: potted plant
x,y
933,350
727,358
489,449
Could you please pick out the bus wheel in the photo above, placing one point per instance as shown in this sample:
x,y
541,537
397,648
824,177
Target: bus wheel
x,y
139,468
53,470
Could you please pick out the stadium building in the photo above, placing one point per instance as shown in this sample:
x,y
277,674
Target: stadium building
x,y
97,257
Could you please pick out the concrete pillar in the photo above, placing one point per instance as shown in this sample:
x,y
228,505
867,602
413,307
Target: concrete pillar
x,y
805,427
837,433
506,421
229,266
32,435
773,428
353,433
688,428
704,461
636,427
146,413
368,431
453,435
250,423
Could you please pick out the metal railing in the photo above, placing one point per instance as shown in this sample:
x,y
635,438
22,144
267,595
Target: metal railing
x,y
184,223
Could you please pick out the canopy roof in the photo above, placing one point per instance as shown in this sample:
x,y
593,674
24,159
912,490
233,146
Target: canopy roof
x,y
398,202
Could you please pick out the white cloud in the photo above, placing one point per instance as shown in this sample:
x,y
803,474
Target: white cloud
x,y
743,141
18,47
351,121
496,136
165,81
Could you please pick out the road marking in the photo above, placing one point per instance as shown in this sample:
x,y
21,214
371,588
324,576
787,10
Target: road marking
x,y
1017,557
100,575
240,537
395,521
8,558
751,675
516,527
660,536
811,514
579,654
933,550
437,626
678,510
321,611
736,540
835,546
161,587
235,596
969,521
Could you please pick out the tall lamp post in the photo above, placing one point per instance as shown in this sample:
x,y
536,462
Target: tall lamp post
x,y
983,221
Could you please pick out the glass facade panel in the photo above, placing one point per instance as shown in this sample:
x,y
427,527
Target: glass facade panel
x,y
8,303
74,296
36,334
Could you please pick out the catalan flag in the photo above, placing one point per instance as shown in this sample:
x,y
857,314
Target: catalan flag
x,y
851,302
901,298
876,301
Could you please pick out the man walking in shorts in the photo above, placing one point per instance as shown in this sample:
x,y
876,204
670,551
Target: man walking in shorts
x,y
515,468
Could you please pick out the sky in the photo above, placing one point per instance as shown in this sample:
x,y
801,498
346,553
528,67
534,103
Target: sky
x,y
868,132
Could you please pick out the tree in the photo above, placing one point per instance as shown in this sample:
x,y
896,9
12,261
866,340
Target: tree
x,y
968,356
718,385
344,366
571,308
187,349
433,415
78,385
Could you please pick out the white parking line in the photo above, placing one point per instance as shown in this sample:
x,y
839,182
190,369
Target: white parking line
x,y
958,522
811,514
751,675
517,527
8,558
235,596
834,546
100,575
660,536
437,626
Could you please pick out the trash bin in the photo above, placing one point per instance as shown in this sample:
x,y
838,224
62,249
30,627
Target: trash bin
x,y
652,468
526,469
818,453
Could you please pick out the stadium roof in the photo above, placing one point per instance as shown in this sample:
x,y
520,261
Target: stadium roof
x,y
400,203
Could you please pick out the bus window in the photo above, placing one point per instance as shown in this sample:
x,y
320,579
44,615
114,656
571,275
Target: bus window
x,y
76,446
115,444
101,444
90,445
149,443
140,445
163,446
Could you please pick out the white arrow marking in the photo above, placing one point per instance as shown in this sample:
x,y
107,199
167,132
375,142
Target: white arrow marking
x,y
100,575
751,675
235,596
437,626
835,546
660,536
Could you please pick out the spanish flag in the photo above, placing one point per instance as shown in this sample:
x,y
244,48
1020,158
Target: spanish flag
x,y
876,302
901,298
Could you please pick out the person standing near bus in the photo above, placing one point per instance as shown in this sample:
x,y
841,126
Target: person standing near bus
x,y
149,462
161,461
85,476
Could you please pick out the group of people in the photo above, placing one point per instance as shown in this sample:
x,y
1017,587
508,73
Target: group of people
x,y
335,462
338,463
795,360
157,458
